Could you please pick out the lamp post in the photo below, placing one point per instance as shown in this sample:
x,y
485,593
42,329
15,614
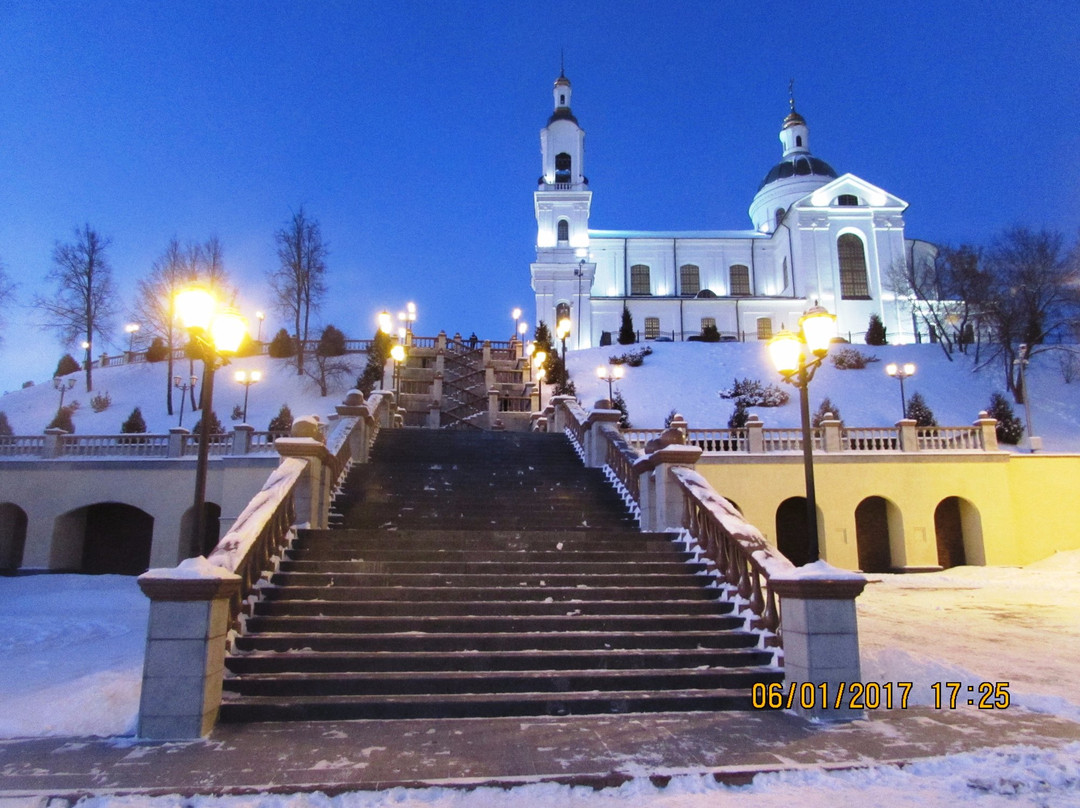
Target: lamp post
x,y
260,316
901,372
611,373
797,357
563,331
385,321
183,387
131,329
247,379
63,385
407,318
530,349
397,353
1034,443
522,329
538,360
515,315
216,331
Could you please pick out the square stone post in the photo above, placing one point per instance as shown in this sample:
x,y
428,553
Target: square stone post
x,y
595,444
54,445
662,502
176,440
440,342
312,497
493,404
830,433
241,439
557,405
909,434
184,663
355,407
820,636
755,435
987,431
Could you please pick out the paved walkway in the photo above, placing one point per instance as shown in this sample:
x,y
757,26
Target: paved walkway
x,y
351,755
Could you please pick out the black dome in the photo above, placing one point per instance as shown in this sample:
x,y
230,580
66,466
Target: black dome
x,y
562,114
801,165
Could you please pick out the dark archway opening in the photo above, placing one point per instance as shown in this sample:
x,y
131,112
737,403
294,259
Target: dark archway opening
x,y
116,540
958,530
872,535
12,537
792,536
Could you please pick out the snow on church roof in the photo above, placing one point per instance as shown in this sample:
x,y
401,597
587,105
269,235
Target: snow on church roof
x,y
670,234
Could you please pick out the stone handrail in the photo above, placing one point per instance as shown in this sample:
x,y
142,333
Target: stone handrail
x,y
130,445
620,457
736,548
58,444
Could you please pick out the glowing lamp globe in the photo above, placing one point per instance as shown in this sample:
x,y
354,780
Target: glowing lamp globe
x,y
909,368
195,307
397,353
228,330
785,351
818,327
384,321
891,368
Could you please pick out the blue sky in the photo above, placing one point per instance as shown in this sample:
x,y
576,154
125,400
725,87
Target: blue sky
x,y
410,130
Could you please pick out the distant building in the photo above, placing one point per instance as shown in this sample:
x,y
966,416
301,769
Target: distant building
x,y
817,236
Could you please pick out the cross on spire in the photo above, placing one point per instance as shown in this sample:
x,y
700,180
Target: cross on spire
x,y
791,93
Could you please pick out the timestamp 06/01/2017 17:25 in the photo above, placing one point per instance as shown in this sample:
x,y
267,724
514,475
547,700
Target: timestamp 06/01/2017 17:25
x,y
875,695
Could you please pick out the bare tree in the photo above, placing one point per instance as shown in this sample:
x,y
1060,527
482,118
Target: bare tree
x,y
84,302
1034,294
299,282
7,292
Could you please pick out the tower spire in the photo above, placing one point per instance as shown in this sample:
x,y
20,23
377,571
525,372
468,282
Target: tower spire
x,y
791,93
562,63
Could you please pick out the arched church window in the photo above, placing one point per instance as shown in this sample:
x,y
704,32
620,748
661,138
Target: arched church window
x,y
639,280
739,282
562,167
847,200
564,230
689,279
562,312
852,258
798,140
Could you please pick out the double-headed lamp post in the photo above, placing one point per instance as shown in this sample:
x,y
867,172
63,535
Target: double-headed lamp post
x,y
131,329
538,360
610,373
217,332
247,378
901,372
397,353
63,385
797,357
516,316
183,387
562,330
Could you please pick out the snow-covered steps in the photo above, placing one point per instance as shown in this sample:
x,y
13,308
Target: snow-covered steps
x,y
486,574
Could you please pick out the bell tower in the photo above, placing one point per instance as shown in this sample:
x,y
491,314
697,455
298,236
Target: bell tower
x,y
562,274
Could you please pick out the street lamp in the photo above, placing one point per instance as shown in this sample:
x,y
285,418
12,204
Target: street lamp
x,y
247,379
797,357
407,317
530,349
385,321
183,387
397,353
131,328
63,385
610,373
216,331
522,329
260,316
1034,443
563,331
515,315
901,372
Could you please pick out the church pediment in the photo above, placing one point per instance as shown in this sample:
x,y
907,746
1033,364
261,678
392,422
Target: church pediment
x,y
849,190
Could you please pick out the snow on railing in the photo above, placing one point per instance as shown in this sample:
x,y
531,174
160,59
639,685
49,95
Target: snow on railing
x,y
620,459
130,445
739,552
943,438
22,445
870,439
719,441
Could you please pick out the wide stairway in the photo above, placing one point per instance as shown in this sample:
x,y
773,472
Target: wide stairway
x,y
478,574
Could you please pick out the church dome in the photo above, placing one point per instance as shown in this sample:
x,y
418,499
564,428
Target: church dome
x,y
799,165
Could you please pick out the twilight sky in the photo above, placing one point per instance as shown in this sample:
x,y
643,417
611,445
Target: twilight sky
x,y
410,131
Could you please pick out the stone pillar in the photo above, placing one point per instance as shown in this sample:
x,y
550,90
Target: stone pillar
x,y
176,441
821,637
489,375
185,649
440,342
987,431
755,435
557,405
909,434
830,433
662,502
312,497
680,423
355,407
493,404
595,443
486,348
241,439
54,446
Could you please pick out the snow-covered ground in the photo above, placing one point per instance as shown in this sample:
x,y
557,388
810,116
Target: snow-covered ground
x,y
72,649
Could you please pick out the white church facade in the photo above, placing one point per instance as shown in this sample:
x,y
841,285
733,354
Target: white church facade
x,y
817,236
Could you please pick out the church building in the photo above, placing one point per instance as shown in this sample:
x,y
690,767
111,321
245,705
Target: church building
x,y
817,236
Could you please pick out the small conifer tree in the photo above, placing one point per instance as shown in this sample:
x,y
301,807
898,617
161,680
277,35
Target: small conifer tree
x,y
282,422
5,427
875,332
1010,429
134,423
332,342
626,328
372,375
215,425
282,345
157,351
619,403
66,365
739,416
62,419
919,411
826,406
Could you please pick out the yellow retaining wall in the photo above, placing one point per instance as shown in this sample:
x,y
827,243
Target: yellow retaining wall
x,y
1020,504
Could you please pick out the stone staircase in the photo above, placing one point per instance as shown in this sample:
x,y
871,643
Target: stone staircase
x,y
480,574
464,388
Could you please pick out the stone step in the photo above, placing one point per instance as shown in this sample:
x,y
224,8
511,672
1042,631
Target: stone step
x,y
486,582
499,608
332,591
408,539
392,555
570,565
